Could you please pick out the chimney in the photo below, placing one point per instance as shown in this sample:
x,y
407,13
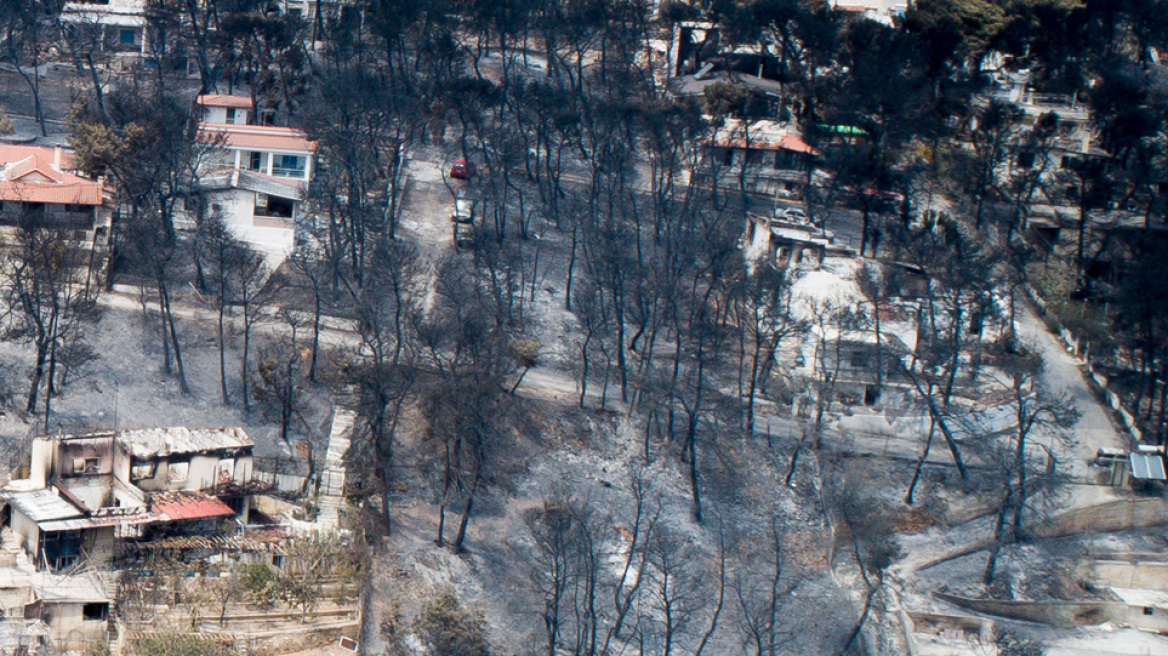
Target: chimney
x,y
57,157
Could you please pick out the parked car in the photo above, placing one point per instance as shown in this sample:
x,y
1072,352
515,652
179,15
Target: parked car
x,y
883,195
463,211
790,214
795,215
464,235
462,169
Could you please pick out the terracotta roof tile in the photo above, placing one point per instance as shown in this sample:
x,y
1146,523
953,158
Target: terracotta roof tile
x,y
256,137
224,100
53,182
179,506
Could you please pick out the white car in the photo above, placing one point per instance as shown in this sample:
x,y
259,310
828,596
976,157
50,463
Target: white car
x,y
463,211
793,214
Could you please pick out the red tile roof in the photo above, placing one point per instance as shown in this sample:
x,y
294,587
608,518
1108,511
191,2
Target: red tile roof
x,y
223,100
790,142
32,174
256,137
179,506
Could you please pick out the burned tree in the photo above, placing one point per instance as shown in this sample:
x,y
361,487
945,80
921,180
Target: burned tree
x,y
48,299
1026,478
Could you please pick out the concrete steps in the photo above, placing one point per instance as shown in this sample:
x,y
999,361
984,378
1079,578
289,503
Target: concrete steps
x,y
333,478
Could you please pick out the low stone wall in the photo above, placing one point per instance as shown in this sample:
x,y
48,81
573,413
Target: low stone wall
x,y
1066,614
1104,573
1118,515
1055,613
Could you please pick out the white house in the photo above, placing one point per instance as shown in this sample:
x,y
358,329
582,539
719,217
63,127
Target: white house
x,y
122,22
255,177
224,109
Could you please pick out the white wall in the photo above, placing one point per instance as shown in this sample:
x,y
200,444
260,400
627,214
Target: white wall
x,y
28,532
219,115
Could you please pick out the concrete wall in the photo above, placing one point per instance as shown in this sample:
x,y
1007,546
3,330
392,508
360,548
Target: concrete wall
x,y
1066,614
201,472
73,453
126,496
14,599
219,115
1108,517
1126,574
41,461
68,630
176,473
99,545
236,206
121,468
28,532
93,491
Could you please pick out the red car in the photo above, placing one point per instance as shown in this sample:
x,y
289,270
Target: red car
x,y
462,169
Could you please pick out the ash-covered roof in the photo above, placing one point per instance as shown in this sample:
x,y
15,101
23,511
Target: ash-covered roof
x,y
102,517
78,588
270,185
41,505
147,443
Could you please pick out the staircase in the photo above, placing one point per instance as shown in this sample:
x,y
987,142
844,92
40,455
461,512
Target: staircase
x,y
332,487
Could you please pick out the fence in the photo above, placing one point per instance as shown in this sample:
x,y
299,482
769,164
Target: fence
x,y
328,483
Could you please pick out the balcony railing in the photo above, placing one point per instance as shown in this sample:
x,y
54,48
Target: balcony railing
x,y
282,172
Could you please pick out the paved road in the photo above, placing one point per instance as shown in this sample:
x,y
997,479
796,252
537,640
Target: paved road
x,y
1062,375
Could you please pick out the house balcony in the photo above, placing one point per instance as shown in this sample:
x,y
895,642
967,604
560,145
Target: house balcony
x,y
281,172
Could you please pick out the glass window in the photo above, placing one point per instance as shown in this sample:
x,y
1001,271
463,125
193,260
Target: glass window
x,y
126,37
291,166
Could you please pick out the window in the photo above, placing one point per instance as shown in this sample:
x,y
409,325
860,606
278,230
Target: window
x,y
289,166
231,116
60,549
95,612
255,162
274,206
141,470
178,471
1026,159
127,37
86,465
1148,610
